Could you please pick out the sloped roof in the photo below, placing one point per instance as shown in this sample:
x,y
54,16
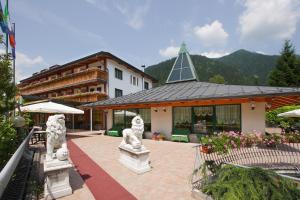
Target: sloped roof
x,y
56,68
194,90
183,68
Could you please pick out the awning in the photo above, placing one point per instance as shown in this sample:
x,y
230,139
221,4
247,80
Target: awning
x,y
293,113
50,107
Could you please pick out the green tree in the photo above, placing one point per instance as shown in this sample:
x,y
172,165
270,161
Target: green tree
x,y
7,87
287,70
217,79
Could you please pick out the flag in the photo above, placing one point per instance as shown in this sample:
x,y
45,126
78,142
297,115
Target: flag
x,y
13,53
11,33
12,40
3,24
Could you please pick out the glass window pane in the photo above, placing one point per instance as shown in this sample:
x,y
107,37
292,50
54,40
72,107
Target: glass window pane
x,y
182,117
146,116
175,75
185,62
178,63
119,118
228,118
186,73
129,115
203,119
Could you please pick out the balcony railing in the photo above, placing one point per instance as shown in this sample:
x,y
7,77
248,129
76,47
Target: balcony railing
x,y
78,78
83,97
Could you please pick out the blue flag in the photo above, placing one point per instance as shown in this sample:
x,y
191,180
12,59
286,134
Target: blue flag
x,y
3,24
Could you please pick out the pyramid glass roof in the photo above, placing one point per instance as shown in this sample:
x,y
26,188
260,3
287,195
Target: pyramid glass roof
x,y
183,68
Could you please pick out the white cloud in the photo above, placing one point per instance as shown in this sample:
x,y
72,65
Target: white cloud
x,y
26,65
211,34
214,54
170,51
269,19
133,13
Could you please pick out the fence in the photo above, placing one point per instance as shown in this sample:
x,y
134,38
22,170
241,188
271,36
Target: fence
x,y
283,158
9,168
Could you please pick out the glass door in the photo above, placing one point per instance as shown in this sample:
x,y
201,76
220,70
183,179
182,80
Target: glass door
x,y
203,119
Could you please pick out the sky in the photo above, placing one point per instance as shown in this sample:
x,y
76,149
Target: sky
x,y
145,32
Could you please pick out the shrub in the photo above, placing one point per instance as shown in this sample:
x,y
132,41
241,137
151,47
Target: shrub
x,y
283,122
232,183
8,141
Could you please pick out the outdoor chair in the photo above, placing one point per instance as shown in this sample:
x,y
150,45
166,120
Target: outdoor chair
x,y
180,135
115,131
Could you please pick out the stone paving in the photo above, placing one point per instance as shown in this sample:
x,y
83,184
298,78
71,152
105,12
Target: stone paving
x,y
172,165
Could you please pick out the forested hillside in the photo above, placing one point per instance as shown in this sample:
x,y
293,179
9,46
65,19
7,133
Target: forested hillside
x,y
239,67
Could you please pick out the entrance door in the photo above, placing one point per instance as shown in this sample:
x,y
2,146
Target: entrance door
x,y
203,119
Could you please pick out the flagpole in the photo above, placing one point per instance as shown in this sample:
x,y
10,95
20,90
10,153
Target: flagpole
x,y
14,59
14,65
7,35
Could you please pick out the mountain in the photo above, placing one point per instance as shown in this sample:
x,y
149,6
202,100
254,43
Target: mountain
x,y
240,67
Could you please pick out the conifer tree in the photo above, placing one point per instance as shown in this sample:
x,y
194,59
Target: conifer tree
x,y
287,69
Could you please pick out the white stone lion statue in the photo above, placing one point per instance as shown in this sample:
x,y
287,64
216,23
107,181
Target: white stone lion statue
x,y
56,138
132,137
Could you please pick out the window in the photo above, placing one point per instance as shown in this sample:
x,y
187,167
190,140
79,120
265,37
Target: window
x,y
145,113
123,118
118,118
203,119
208,119
92,89
118,92
146,85
134,80
228,118
182,117
99,89
118,74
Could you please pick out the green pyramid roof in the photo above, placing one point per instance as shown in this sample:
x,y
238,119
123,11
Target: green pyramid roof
x,y
183,68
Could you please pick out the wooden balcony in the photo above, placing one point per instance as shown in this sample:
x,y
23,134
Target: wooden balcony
x,y
92,75
85,97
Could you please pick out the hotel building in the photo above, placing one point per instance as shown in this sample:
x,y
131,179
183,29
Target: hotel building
x,y
90,79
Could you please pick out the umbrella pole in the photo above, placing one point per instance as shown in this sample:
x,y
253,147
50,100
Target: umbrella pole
x,y
73,126
91,119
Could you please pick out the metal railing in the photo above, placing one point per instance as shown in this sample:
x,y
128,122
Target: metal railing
x,y
283,158
9,168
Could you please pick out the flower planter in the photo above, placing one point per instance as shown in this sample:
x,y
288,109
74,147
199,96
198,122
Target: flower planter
x,y
205,149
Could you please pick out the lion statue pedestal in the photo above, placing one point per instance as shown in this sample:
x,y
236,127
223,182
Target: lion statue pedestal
x,y
57,164
133,153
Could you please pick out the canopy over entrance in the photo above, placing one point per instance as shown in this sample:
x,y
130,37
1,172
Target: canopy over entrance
x,y
50,107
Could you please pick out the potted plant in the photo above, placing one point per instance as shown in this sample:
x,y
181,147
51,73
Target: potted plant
x,y
206,144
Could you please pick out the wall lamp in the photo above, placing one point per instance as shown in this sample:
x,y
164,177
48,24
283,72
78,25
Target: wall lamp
x,y
252,104
268,105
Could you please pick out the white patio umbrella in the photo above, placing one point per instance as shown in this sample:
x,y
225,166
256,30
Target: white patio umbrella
x,y
292,113
50,107
128,113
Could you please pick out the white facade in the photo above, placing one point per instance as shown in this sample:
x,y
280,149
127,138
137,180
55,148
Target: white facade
x,y
125,84
253,119
161,120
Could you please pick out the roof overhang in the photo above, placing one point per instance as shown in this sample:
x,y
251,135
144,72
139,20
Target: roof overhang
x,y
274,101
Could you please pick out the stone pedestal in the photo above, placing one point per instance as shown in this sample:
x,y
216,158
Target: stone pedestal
x,y
137,161
57,179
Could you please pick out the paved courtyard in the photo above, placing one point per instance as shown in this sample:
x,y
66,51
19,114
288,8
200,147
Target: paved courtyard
x,y
172,164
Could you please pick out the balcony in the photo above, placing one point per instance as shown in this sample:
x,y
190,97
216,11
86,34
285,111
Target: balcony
x,y
85,97
85,77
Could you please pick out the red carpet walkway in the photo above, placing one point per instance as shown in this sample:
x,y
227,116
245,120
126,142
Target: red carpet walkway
x,y
100,183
